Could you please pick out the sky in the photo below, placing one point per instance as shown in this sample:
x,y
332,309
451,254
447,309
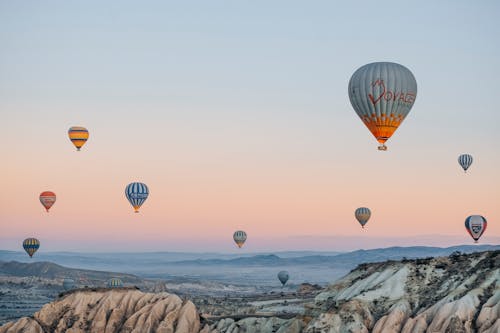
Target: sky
x,y
236,115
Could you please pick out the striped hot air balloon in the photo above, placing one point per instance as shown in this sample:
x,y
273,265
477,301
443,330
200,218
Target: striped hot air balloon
x,y
475,226
47,199
362,214
136,194
465,161
382,94
240,238
115,283
31,245
78,135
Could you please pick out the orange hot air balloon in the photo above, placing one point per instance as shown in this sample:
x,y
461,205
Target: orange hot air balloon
x,y
78,135
47,199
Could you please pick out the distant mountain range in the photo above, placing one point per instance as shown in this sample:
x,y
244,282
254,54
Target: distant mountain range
x,y
50,270
349,258
315,267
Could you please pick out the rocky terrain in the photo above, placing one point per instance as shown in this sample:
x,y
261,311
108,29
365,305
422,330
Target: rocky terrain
x,y
458,293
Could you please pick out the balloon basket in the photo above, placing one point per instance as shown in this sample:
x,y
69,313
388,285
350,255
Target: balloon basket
x,y
382,147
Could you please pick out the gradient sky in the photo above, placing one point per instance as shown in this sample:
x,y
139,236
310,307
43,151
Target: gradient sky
x,y
236,115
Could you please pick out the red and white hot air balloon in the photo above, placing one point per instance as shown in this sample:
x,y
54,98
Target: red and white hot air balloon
x,y
47,199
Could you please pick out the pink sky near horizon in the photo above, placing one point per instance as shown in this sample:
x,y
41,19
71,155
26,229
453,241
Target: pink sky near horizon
x,y
242,125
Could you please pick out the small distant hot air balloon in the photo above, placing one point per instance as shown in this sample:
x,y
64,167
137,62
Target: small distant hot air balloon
x,y
136,194
465,161
382,94
78,135
69,284
31,245
115,283
240,237
283,276
47,199
362,214
476,226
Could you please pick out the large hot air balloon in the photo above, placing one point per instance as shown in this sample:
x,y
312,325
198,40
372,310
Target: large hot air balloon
x,y
283,277
475,225
362,214
240,237
465,161
78,135
31,245
69,284
136,194
382,94
115,283
47,199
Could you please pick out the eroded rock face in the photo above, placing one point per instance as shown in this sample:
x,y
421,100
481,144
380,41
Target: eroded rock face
x,y
108,311
460,293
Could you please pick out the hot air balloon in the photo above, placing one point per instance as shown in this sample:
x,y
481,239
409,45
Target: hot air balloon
x,y
465,160
240,237
31,245
475,225
136,194
78,135
68,284
362,214
47,199
115,283
382,94
283,277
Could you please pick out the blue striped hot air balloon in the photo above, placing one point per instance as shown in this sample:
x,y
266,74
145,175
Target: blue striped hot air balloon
x,y
465,161
136,194
115,283
31,245
362,214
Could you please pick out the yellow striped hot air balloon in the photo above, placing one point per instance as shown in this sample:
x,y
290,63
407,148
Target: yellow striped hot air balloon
x,y
78,135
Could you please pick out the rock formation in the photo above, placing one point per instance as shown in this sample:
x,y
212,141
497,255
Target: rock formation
x,y
459,293
109,311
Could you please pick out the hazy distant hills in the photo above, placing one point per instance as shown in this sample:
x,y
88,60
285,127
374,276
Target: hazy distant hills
x,y
243,269
349,258
50,270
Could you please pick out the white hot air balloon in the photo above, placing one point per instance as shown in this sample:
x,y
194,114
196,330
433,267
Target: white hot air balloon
x,y
382,94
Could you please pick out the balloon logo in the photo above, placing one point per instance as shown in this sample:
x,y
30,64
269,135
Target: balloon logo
x,y
475,226
465,161
31,245
283,276
239,238
382,94
362,214
115,283
78,135
136,194
47,199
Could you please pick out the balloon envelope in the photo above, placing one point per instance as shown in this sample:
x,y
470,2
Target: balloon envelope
x,y
68,284
283,277
475,226
31,245
382,94
239,238
47,199
136,194
362,214
115,283
78,135
465,161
